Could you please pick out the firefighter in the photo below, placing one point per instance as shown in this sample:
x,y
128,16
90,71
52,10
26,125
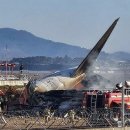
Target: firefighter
x,y
21,68
5,101
0,107
47,115
2,119
72,114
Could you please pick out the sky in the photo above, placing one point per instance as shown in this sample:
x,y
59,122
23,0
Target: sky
x,y
76,22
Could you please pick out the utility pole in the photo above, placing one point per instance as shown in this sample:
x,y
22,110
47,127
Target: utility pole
x,y
6,64
123,105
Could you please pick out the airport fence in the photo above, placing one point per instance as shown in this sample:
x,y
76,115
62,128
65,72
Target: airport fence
x,y
55,119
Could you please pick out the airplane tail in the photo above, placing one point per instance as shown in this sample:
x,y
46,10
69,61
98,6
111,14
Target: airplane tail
x,y
93,54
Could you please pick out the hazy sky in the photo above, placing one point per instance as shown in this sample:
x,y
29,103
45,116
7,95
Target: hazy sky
x,y
76,22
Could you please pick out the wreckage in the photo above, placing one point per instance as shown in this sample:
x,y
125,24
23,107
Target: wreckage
x,y
70,78
59,90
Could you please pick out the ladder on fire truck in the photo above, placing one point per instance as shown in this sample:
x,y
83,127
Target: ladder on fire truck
x,y
93,101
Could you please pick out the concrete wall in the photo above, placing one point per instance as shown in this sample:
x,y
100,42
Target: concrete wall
x,y
12,82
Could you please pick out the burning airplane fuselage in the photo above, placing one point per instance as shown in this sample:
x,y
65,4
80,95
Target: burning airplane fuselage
x,y
57,83
67,80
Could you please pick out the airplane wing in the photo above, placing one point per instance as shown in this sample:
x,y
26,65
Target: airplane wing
x,y
93,54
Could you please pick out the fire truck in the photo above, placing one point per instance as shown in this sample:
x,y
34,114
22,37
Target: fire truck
x,y
106,99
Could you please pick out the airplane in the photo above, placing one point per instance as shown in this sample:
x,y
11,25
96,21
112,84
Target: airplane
x,y
70,78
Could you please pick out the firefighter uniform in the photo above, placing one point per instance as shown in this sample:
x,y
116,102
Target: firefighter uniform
x,y
72,116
